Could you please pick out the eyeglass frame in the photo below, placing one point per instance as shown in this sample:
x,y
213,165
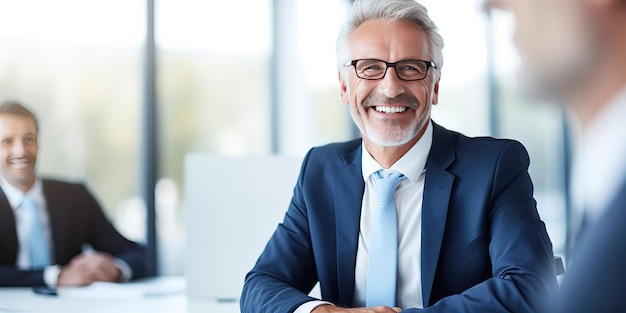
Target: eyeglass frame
x,y
429,64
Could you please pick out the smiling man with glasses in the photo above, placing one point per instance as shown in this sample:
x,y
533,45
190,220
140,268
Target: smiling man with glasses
x,y
411,216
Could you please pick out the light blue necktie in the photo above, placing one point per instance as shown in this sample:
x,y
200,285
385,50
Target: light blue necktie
x,y
37,243
383,254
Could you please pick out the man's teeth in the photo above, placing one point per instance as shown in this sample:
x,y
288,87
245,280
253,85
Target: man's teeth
x,y
385,109
20,164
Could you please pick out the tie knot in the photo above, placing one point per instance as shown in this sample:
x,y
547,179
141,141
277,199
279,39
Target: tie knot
x,y
28,203
386,184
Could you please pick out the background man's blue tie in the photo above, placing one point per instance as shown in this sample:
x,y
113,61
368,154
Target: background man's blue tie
x,y
37,243
383,254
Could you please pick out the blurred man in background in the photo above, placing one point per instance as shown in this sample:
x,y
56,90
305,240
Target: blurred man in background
x,y
575,51
45,224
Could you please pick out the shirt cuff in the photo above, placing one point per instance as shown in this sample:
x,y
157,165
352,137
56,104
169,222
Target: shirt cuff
x,y
51,275
307,307
126,271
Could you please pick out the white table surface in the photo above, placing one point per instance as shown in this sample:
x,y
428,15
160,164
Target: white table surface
x,y
125,300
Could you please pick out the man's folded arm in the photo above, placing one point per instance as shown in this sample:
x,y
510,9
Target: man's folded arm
x,y
130,256
263,293
131,263
11,276
518,285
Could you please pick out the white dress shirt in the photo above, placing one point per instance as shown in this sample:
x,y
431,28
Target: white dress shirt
x,y
408,199
599,167
15,197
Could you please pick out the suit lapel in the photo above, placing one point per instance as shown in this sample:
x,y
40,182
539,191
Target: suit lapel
x,y
58,220
437,190
349,181
8,232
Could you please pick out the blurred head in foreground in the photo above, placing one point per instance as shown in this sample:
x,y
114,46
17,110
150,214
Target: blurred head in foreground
x,y
573,50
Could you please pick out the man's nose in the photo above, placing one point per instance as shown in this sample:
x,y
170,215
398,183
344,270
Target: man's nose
x,y
18,148
391,85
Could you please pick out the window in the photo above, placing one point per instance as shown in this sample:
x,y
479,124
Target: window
x,y
218,88
79,70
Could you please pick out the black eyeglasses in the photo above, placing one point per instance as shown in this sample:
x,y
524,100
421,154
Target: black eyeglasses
x,y
373,69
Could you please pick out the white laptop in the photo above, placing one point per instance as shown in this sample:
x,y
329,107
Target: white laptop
x,y
233,206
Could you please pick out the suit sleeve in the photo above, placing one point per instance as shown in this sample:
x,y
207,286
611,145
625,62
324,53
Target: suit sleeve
x,y
285,272
522,261
103,237
11,276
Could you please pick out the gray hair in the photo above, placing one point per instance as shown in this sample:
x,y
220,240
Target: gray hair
x,y
394,10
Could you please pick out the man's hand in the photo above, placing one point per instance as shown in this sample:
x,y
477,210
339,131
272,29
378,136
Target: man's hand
x,y
87,268
326,308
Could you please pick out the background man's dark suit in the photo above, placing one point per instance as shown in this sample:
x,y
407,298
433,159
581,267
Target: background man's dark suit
x,y
484,248
599,259
75,219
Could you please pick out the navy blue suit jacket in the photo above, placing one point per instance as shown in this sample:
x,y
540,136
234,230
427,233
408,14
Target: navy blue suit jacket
x,y
484,248
76,219
595,278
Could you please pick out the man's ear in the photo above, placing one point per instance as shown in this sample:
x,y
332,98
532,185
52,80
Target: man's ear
x,y
436,93
343,88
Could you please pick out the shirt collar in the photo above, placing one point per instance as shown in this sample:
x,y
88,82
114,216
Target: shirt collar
x,y
16,196
411,164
